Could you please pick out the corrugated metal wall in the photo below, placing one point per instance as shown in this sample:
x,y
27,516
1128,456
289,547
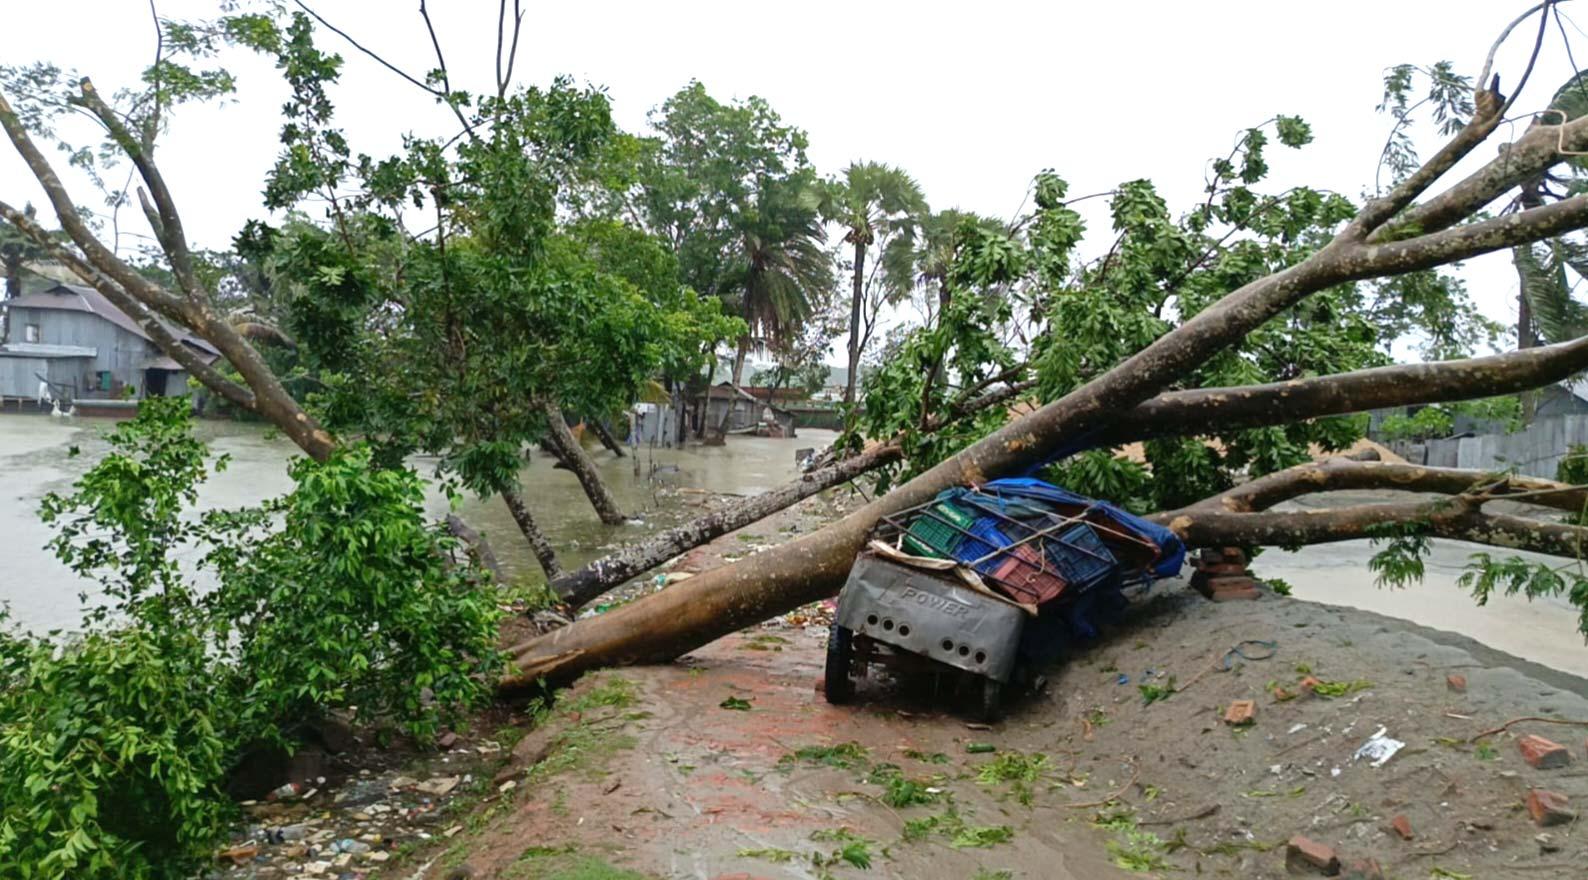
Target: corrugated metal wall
x,y
1536,451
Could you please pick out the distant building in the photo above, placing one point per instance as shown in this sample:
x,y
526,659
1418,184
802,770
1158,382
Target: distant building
x,y
736,410
85,348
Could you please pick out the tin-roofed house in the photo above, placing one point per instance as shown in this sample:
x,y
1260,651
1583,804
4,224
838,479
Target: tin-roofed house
x,y
78,346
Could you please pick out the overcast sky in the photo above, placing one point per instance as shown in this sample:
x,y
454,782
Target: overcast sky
x,y
972,99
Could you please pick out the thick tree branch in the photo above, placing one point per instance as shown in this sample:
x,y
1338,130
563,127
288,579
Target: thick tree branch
x,y
1540,147
1453,518
191,361
173,240
1337,474
1206,410
76,228
1470,240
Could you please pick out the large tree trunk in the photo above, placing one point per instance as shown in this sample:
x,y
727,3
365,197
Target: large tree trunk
x,y
739,354
1174,413
544,554
663,625
605,435
577,460
577,588
854,320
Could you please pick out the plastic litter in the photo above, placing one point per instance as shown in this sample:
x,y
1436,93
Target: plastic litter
x,y
1379,748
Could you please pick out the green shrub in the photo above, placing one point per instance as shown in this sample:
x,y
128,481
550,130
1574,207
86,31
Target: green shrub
x,y
111,757
114,746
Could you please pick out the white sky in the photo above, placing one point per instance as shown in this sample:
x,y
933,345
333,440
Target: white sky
x,y
972,99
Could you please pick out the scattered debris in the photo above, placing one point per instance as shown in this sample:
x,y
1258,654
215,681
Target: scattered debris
x,y
1548,808
1240,713
1543,754
1379,748
1302,853
1456,683
1402,827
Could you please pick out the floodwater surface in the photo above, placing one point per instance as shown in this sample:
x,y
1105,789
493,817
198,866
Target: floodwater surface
x,y
669,487
666,487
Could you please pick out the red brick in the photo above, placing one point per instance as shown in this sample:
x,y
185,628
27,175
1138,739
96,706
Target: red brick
x,y
1543,754
1308,683
1222,569
1457,683
1548,807
1233,554
1241,712
447,740
1248,594
1225,589
1302,852
1364,869
1402,827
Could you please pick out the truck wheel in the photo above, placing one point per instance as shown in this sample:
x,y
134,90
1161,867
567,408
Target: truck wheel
x,y
839,689
992,694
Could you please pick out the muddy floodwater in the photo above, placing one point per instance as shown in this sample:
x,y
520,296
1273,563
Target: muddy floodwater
x,y
669,487
35,459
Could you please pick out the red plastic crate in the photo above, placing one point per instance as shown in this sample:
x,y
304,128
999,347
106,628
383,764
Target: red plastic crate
x,y
1026,576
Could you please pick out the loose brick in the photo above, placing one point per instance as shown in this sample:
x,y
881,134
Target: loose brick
x,y
1543,754
1402,827
1303,853
1222,569
1241,712
447,740
1364,869
1548,808
1308,683
1225,589
1233,554
1456,683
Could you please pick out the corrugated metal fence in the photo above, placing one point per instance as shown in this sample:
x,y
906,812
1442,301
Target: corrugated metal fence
x,y
1536,451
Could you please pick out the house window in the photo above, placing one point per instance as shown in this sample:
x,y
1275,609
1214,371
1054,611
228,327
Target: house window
x,y
30,333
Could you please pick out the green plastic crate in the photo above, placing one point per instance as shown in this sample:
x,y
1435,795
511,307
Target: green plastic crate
x,y
930,535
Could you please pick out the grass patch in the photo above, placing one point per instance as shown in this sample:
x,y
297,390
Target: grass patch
x,y
1020,770
900,791
770,854
852,850
844,756
1152,693
1333,689
933,758
735,704
763,642
565,863
1133,849
1296,792
984,874
960,834
1485,751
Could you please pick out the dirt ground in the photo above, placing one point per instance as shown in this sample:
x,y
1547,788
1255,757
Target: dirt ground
x,y
729,763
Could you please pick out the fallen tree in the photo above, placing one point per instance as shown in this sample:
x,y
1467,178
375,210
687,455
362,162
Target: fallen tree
x,y
1387,237
1168,414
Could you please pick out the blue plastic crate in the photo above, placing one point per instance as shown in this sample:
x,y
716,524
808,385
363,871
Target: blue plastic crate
x,y
1080,556
985,538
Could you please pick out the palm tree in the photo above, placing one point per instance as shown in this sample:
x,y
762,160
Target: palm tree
x,y
784,265
873,202
922,262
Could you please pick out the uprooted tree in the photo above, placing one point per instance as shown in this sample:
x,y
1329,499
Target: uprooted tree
x,y
1161,340
1230,340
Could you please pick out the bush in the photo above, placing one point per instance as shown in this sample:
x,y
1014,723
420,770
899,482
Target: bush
x,y
114,746
111,758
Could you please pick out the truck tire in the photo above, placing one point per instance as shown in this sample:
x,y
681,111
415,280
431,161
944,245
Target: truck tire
x,y
839,688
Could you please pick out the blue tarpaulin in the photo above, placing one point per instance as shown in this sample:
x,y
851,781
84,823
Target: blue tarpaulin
x,y
1171,551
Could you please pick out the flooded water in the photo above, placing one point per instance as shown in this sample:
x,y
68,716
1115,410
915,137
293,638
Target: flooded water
x,y
34,459
43,594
